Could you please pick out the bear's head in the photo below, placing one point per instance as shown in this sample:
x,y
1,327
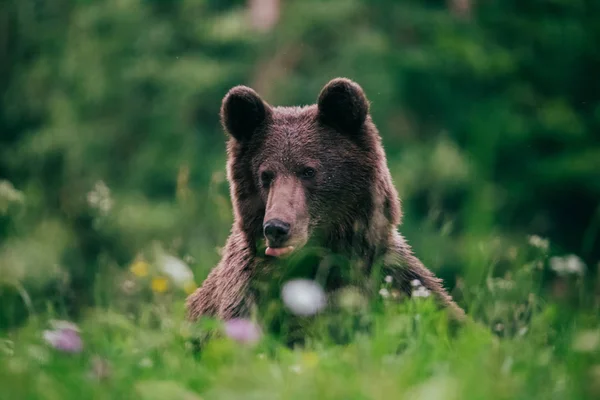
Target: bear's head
x,y
315,174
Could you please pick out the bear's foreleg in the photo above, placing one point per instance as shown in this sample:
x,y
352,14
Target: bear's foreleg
x,y
225,293
400,263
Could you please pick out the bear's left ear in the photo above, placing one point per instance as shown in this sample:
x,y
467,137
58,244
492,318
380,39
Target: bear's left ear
x,y
242,112
343,104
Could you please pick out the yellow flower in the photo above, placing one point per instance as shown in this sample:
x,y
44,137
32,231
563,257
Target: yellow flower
x,y
159,284
189,287
310,359
139,268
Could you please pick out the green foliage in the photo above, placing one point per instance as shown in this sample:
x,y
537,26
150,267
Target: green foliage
x,y
110,148
410,353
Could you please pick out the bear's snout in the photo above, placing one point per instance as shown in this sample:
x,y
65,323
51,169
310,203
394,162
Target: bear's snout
x,y
276,231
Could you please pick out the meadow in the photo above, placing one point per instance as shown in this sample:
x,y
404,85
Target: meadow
x,y
139,345
114,203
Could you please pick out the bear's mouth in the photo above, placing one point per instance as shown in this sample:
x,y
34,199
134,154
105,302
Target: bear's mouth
x,y
279,251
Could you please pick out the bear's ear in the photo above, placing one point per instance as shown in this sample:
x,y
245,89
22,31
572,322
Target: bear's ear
x,y
343,105
242,111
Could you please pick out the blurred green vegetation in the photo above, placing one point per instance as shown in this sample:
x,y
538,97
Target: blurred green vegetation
x,y
110,142
111,157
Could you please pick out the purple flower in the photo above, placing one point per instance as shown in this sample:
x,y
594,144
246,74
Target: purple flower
x,y
242,330
64,337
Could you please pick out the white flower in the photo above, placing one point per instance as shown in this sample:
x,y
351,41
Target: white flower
x,y
296,368
9,195
539,242
421,291
415,283
100,198
176,269
303,297
64,337
146,363
383,292
389,279
570,264
523,331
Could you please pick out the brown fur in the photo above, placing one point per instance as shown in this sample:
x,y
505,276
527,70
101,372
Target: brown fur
x,y
348,207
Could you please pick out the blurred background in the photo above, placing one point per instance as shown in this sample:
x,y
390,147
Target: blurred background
x,y
111,149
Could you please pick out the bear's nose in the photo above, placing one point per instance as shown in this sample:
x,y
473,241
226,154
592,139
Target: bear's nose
x,y
276,231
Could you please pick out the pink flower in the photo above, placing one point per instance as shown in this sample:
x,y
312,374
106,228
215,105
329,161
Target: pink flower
x,y
64,337
242,330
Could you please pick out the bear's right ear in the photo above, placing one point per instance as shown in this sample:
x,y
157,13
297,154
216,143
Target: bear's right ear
x,y
242,112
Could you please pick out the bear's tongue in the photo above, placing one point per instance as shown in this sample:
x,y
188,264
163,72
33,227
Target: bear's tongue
x,y
278,252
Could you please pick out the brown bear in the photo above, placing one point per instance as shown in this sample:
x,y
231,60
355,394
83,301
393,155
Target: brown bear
x,y
308,177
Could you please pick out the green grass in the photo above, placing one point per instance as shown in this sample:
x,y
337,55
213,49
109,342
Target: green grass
x,y
142,350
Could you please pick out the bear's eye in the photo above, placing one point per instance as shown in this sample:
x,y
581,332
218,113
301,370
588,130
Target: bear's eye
x,y
308,173
266,177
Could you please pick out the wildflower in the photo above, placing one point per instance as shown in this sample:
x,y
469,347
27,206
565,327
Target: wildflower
x,y
523,331
296,368
421,291
146,363
176,269
99,198
383,292
242,330
64,337
139,268
570,264
159,284
128,286
8,195
303,297
415,283
539,242
388,279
